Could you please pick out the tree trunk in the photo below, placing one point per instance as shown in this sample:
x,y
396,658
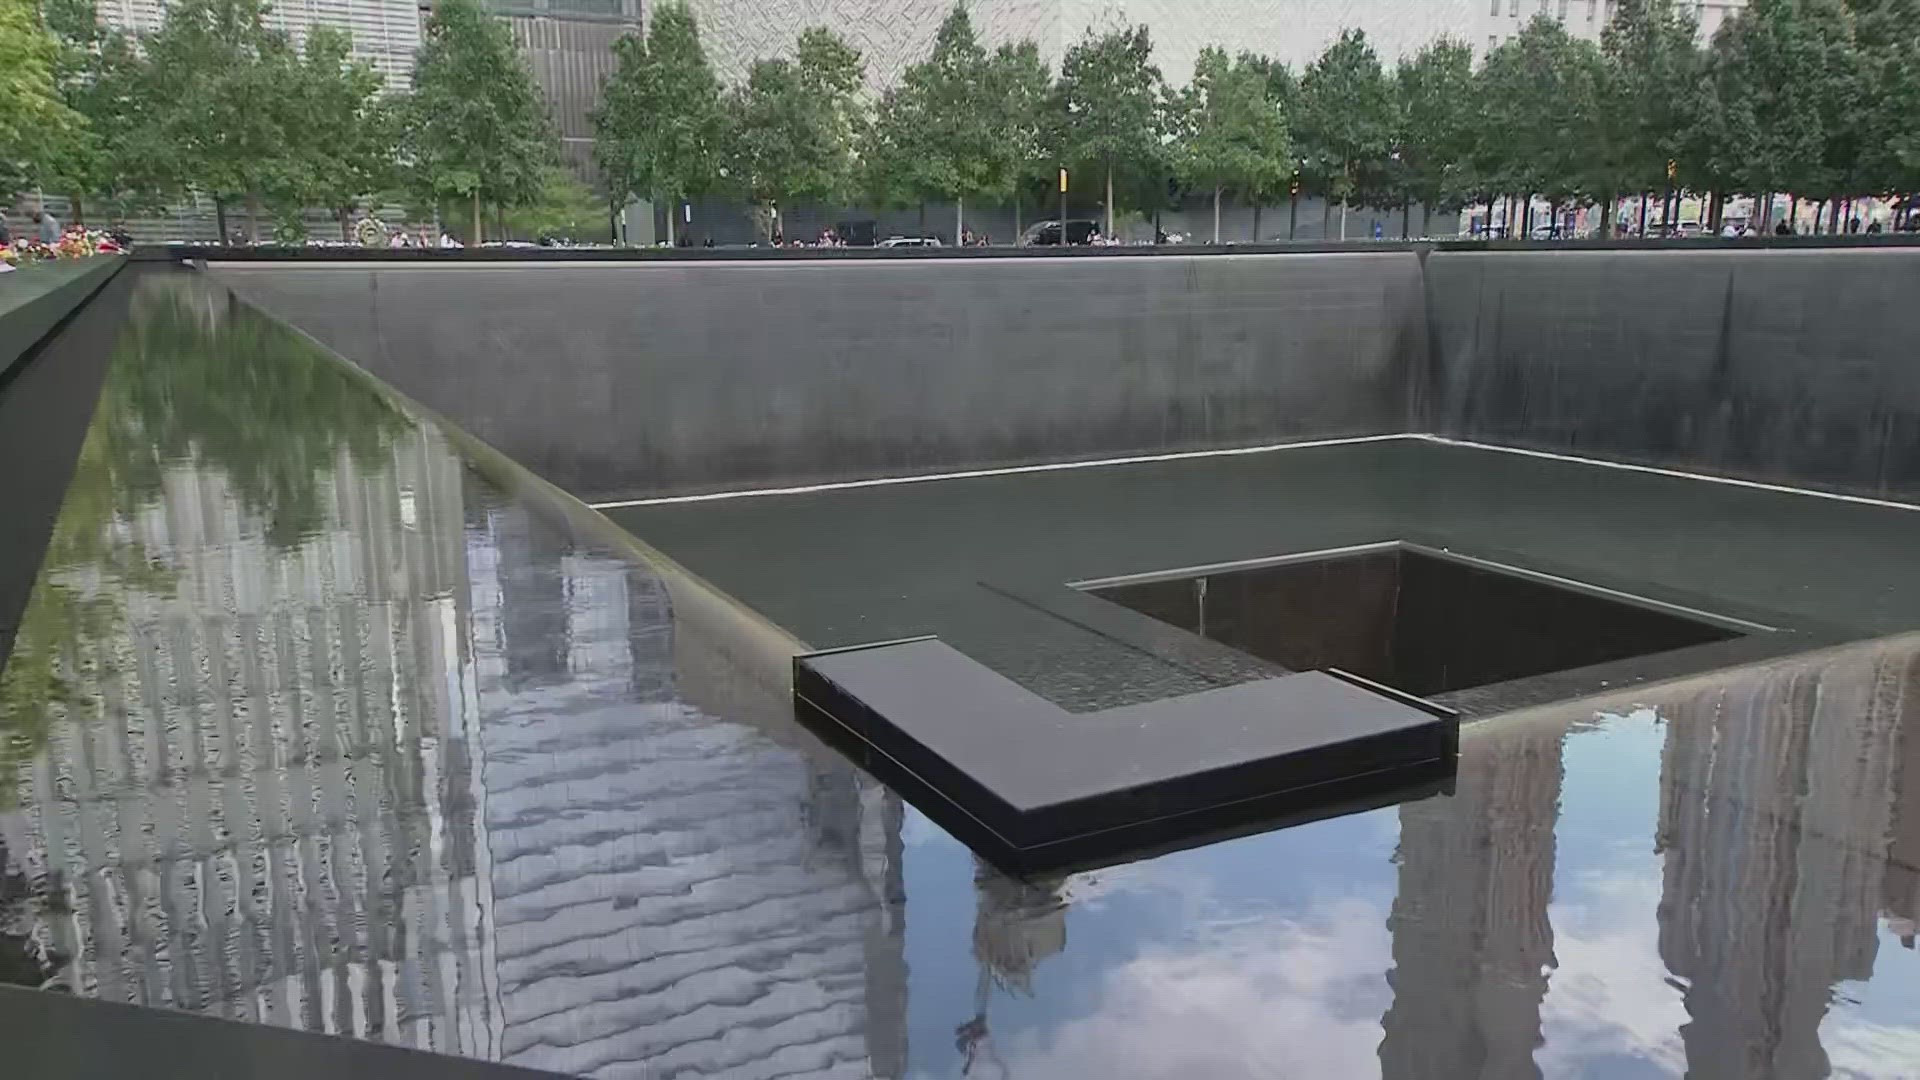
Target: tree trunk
x,y
344,217
1426,220
673,223
1326,218
1526,218
500,221
1063,224
475,239
1017,230
959,219
253,217
1606,216
1216,213
76,210
1293,214
1406,217
1343,218
220,218
1256,219
1793,212
1643,215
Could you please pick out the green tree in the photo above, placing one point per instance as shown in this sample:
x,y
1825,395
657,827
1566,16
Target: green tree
x,y
1283,90
1109,106
102,76
1436,112
1653,97
565,210
346,135
1783,81
1345,121
795,123
1022,94
33,117
944,113
1543,92
476,130
660,130
1887,33
215,82
1232,135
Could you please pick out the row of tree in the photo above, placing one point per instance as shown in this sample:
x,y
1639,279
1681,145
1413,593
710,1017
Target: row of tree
x,y
1816,97
219,103
1820,98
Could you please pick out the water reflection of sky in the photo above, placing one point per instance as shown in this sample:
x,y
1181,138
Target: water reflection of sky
x,y
1270,955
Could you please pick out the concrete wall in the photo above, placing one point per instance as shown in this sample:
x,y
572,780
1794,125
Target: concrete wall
x,y
627,380
1794,366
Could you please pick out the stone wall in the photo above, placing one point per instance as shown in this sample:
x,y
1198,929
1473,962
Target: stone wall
x,y
1793,366
624,380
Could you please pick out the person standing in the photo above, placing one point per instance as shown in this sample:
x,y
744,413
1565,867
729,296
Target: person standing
x,y
49,227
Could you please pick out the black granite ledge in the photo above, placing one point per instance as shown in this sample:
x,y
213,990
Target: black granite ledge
x,y
1033,786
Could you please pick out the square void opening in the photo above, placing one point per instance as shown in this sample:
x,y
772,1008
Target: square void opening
x,y
1423,622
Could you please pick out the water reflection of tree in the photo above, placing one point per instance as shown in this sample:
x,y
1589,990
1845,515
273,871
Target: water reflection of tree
x,y
200,376
76,597
195,379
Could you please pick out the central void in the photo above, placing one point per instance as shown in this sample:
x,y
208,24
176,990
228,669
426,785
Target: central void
x,y
1426,622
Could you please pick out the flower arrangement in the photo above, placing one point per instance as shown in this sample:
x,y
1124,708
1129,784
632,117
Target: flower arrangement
x,y
76,243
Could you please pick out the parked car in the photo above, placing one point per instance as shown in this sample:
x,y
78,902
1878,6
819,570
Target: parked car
x,y
911,241
1047,233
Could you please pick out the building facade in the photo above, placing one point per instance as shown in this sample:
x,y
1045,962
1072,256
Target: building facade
x,y
568,45
891,34
386,33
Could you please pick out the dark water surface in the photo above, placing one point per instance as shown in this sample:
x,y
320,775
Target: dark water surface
x,y
314,722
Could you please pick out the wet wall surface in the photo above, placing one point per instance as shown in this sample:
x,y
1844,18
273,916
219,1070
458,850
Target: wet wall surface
x,y
1789,366
318,725
621,381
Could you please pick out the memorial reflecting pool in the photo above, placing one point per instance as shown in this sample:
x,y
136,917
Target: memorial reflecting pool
x,y
316,720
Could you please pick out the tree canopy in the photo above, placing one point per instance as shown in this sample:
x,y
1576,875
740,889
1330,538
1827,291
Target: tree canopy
x,y
36,123
1109,106
1233,137
945,123
1543,91
660,131
1818,98
1436,121
476,128
794,124
1345,121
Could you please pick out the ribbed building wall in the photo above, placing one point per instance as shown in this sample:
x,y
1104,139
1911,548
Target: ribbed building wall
x,y
1472,942
668,890
1764,819
234,813
570,58
386,33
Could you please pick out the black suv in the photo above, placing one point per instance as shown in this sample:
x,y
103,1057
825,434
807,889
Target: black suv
x,y
1047,233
